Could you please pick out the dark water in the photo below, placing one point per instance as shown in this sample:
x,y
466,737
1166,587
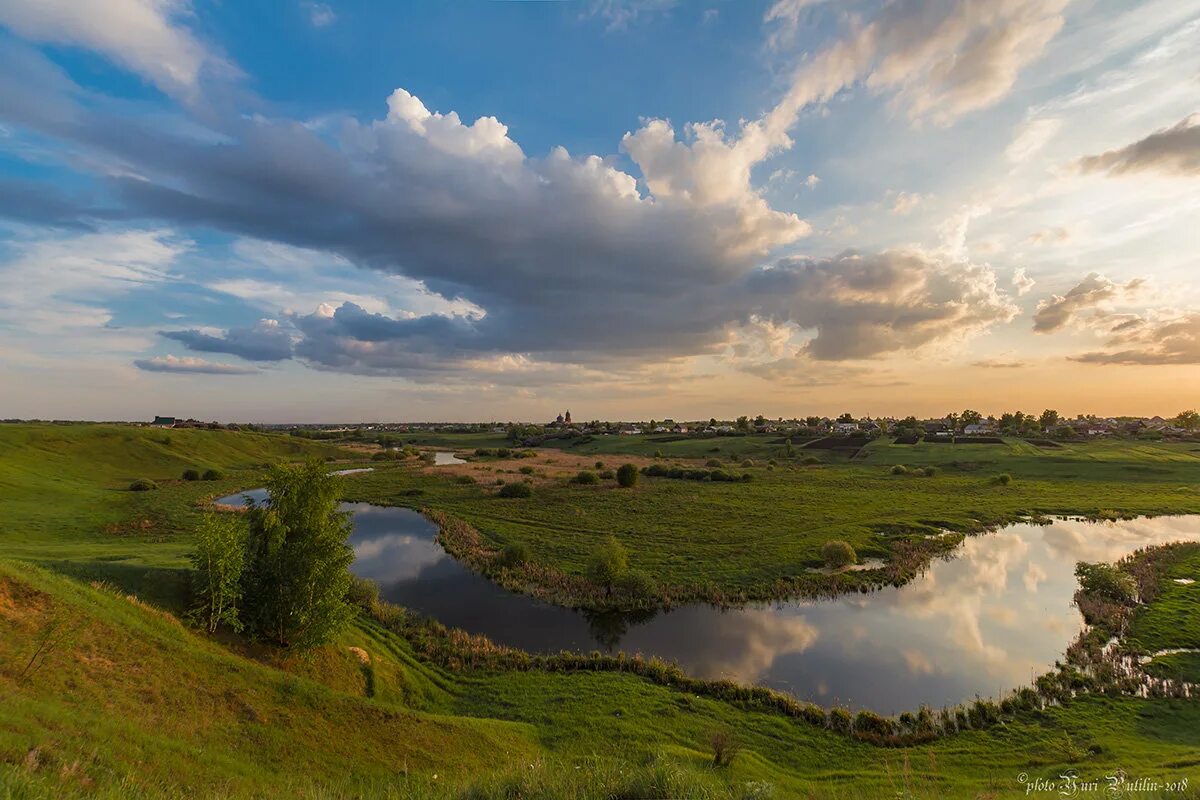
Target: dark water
x,y
989,620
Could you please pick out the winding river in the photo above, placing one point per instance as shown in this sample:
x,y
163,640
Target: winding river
x,y
986,621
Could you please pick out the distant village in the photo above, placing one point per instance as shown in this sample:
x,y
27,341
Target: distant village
x,y
962,426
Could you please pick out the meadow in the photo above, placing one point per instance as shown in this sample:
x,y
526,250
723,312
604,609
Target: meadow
x,y
733,541
106,691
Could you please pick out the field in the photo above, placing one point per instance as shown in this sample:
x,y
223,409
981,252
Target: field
x,y
106,693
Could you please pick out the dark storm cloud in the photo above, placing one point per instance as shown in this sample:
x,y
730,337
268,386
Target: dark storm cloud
x,y
266,341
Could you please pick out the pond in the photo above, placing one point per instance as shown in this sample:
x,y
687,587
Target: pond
x,y
443,457
989,620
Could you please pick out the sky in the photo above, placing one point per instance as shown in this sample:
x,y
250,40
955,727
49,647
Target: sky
x,y
300,211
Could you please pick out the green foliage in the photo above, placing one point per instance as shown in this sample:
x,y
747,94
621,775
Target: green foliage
x,y
838,553
714,462
899,469
636,583
297,573
586,477
142,485
627,476
219,561
608,562
514,554
519,489
1106,581
724,746
212,475
526,470
363,594
929,472
191,475
1004,479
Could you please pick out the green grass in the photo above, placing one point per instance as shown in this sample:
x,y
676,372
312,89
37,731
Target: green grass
x,y
1173,619
743,535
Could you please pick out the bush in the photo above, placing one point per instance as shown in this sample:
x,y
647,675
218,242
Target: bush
x,y
607,563
871,724
1106,581
838,554
930,472
658,454
638,584
191,474
297,574
749,462
512,490
514,554
724,746
219,560
840,720
599,465
526,470
503,452
714,462
464,480
585,477
363,593
212,475
142,485
810,460
627,476
1004,479
899,469
607,474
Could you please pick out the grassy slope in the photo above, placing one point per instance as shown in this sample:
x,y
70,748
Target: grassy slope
x,y
131,699
742,534
1173,621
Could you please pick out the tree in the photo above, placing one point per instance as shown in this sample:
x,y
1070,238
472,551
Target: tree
x,y
743,423
627,476
607,563
847,417
970,417
1188,420
219,560
297,571
1048,419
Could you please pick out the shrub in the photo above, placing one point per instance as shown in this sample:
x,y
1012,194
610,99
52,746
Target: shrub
x,y
714,462
514,554
1106,581
838,554
191,474
142,485
503,452
840,720
297,574
930,472
1004,479
586,478
749,462
608,563
658,454
465,480
899,469
724,746
608,474
871,724
627,475
526,470
520,489
810,460
219,560
599,465
636,583
212,475
363,593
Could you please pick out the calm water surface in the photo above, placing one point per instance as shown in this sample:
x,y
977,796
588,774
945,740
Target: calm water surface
x,y
986,621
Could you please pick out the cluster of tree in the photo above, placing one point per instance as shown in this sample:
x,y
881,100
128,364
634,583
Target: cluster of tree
x,y
609,567
281,570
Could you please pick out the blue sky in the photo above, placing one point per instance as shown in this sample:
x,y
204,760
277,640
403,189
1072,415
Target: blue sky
x,y
313,211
